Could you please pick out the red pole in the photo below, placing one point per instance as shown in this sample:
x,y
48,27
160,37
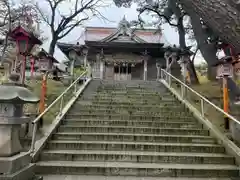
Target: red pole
x,y
23,69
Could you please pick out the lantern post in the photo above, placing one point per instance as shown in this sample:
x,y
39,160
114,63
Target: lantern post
x,y
73,56
184,59
25,41
158,66
85,54
45,66
225,71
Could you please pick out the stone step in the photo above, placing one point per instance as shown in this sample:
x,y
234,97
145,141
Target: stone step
x,y
131,112
100,122
128,137
132,93
126,116
136,146
142,97
137,169
133,129
132,100
150,88
128,109
134,103
92,177
136,157
136,119
117,106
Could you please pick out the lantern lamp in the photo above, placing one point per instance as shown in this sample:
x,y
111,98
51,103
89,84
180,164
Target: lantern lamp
x,y
85,51
73,55
158,65
24,40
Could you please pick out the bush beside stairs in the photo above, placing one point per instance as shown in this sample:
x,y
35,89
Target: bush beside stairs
x,y
133,128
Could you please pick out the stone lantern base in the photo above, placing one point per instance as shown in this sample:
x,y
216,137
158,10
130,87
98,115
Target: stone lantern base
x,y
9,140
17,167
15,164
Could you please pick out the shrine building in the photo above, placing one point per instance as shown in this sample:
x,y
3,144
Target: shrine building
x,y
120,53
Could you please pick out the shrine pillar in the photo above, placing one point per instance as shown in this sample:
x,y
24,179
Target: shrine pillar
x,y
145,69
101,69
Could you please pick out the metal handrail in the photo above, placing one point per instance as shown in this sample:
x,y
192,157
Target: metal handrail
x,y
59,98
203,99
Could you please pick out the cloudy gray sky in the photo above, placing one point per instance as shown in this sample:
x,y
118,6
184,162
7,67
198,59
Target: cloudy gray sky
x,y
114,14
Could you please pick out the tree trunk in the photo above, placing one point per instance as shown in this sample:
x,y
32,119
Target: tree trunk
x,y
221,17
168,12
208,50
52,46
182,42
193,73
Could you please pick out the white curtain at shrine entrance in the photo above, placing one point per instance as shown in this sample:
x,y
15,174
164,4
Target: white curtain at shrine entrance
x,y
122,72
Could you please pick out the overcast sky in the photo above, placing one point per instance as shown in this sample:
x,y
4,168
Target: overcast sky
x,y
114,14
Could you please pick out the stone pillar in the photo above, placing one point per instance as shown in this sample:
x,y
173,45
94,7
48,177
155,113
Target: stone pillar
x,y
89,69
85,59
72,64
101,69
145,70
14,163
158,70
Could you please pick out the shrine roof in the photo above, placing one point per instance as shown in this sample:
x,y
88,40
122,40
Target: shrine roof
x,y
148,35
43,53
121,37
144,45
153,49
124,31
67,47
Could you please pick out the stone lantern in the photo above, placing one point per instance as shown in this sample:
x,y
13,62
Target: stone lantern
x,y
73,57
171,56
13,161
158,66
183,62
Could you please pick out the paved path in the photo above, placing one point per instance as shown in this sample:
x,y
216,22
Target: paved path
x,y
75,177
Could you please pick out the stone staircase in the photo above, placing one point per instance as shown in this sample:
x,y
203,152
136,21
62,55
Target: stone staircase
x,y
133,129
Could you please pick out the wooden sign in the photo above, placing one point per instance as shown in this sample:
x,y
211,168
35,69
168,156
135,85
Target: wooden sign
x,y
43,65
237,68
224,70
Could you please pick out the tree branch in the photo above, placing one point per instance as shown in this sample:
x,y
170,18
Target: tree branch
x,y
71,27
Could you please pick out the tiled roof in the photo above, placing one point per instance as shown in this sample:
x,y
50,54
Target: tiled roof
x,y
149,35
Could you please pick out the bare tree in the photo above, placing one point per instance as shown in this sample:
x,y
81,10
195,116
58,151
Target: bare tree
x,y
5,26
60,23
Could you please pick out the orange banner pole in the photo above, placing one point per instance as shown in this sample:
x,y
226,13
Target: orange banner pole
x,y
43,94
225,102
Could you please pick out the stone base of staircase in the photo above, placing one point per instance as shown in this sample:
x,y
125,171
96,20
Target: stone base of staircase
x,y
77,177
26,173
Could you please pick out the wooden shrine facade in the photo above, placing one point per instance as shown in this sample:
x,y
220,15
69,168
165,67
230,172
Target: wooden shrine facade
x,y
120,53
